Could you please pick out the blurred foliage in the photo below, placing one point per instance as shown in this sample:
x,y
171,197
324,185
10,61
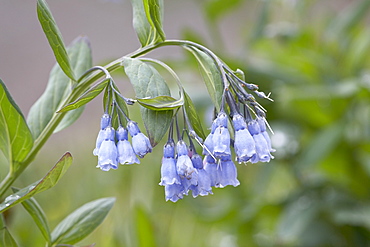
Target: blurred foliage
x,y
315,192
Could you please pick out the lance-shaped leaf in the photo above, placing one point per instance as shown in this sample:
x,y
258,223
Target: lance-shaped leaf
x,y
147,82
147,21
193,117
15,137
211,75
6,239
86,97
58,88
161,103
54,37
50,180
82,221
38,216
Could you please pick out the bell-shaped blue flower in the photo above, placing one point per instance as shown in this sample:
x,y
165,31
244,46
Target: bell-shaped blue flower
x,y
107,155
185,168
174,192
126,154
228,173
211,167
262,124
244,144
262,150
169,174
203,188
221,137
197,161
140,143
208,142
104,123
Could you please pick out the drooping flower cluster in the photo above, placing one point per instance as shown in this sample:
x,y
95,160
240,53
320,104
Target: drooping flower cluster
x,y
183,170
113,147
238,133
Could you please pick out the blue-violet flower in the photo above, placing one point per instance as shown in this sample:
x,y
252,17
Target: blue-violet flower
x,y
140,143
104,123
107,155
221,137
244,143
126,154
228,173
262,150
169,174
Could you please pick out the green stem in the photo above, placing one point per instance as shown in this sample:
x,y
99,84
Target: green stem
x,y
82,87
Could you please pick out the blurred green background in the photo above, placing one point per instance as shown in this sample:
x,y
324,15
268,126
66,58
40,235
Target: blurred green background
x,y
314,58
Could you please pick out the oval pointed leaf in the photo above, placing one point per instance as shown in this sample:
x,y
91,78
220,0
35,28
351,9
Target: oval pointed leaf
x,y
15,137
58,88
147,21
161,103
54,37
82,221
86,97
211,76
38,216
192,114
147,82
47,182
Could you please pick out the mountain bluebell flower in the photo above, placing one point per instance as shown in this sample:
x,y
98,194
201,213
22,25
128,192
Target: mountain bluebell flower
x,y
169,174
211,167
126,154
197,161
174,192
208,142
185,168
221,137
104,122
107,155
262,124
140,143
262,150
203,188
228,173
244,144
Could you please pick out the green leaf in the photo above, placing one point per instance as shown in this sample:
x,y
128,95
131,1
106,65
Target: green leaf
x,y
193,116
58,88
147,82
154,14
211,76
54,37
82,221
47,182
147,21
38,215
161,103
15,137
86,97
6,239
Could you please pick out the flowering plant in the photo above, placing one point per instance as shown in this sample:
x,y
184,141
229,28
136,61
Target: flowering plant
x,y
239,122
